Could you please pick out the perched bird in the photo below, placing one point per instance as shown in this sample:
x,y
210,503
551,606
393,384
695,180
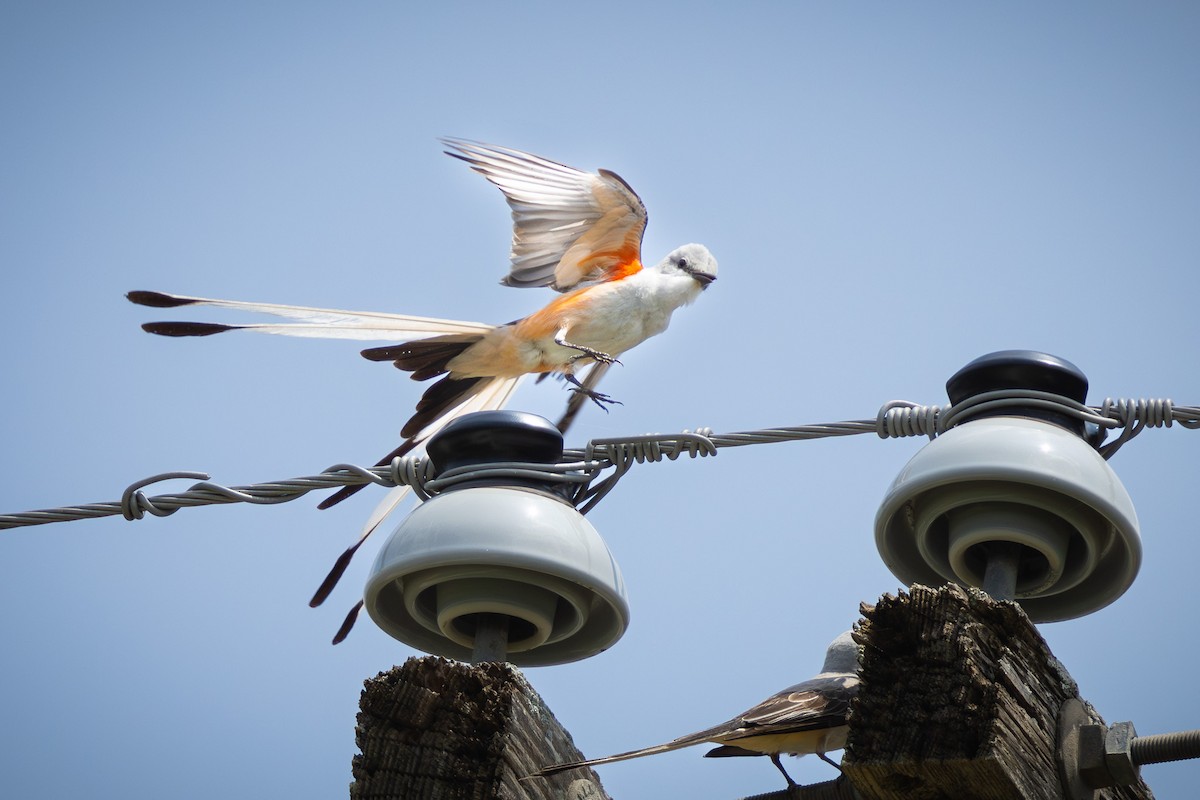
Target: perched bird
x,y
577,232
809,717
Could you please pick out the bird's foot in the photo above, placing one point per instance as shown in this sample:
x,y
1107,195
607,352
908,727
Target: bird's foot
x,y
603,358
600,399
587,352
830,761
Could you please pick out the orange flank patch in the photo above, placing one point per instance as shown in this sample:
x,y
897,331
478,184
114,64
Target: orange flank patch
x,y
623,270
526,346
547,321
603,266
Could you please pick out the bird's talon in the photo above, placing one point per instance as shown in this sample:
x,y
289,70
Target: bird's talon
x,y
594,355
598,398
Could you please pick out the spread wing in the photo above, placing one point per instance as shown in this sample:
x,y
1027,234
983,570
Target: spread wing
x,y
570,227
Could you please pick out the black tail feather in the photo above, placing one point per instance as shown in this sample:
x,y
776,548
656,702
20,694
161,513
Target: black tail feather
x,y
425,358
186,328
437,400
156,299
443,395
727,750
347,624
349,491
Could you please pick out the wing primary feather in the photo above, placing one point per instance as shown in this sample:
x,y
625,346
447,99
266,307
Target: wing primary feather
x,y
507,158
568,224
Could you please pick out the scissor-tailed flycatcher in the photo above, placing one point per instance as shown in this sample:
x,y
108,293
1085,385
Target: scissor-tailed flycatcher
x,y
577,232
809,717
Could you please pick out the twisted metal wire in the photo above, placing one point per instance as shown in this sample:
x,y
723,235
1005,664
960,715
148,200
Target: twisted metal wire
x,y
580,468
901,418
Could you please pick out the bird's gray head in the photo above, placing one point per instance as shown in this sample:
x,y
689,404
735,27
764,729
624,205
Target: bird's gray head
x,y
842,655
692,260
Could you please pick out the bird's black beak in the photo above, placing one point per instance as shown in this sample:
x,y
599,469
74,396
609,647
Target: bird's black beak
x,y
703,278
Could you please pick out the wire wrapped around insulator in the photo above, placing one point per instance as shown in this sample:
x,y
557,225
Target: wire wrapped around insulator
x,y
900,418
1134,416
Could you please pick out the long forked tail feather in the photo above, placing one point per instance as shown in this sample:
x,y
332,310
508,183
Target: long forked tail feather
x,y
554,769
446,399
320,323
349,491
158,299
437,401
425,359
186,328
492,393
347,624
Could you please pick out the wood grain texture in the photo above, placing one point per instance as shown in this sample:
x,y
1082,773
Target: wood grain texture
x,y
959,699
434,729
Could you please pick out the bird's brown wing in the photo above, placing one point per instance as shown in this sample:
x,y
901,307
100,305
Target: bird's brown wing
x,y
570,227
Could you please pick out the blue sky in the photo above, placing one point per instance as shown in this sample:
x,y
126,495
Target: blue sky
x,y
890,191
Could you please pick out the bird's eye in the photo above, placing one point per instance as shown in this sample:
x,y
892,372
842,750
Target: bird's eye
x,y
683,263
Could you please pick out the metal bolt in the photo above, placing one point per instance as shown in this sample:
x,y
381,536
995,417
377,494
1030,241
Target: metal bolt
x,y
1118,754
1093,756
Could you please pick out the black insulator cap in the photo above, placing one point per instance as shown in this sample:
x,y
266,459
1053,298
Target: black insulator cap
x,y
486,437
1022,369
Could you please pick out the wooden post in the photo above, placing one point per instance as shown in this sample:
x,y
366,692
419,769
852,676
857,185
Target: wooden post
x,y
434,729
959,698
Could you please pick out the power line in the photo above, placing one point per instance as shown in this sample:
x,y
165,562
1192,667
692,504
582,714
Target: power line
x,y
581,467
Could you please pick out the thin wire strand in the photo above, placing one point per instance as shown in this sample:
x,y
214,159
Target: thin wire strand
x,y
579,469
